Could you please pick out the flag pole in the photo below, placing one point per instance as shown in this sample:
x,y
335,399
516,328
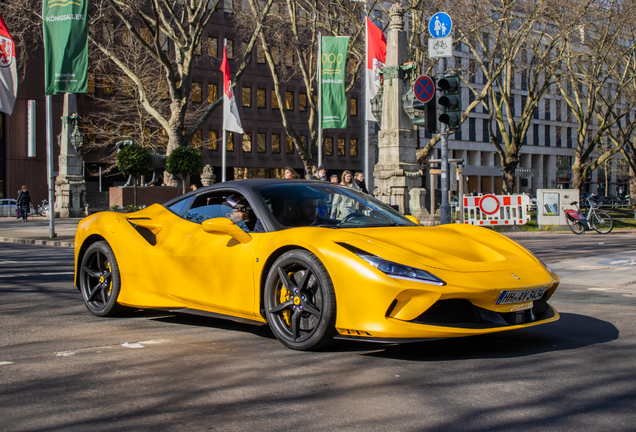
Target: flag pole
x,y
49,165
223,161
365,123
319,79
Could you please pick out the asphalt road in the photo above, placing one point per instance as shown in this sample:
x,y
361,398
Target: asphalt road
x,y
62,369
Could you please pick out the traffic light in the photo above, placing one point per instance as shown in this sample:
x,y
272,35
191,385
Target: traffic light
x,y
452,100
429,119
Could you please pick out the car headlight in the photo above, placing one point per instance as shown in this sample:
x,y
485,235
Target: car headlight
x,y
400,271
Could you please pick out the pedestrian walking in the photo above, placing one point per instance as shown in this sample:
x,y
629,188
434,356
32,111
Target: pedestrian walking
x,y
23,201
334,178
290,173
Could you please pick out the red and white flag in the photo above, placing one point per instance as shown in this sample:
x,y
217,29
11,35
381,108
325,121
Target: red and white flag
x,y
231,119
8,70
376,57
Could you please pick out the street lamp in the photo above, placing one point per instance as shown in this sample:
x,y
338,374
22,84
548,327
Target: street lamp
x,y
376,107
76,138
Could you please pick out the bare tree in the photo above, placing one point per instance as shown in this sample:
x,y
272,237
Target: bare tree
x,y
289,41
24,22
595,69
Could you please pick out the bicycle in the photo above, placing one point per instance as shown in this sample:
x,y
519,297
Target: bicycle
x,y
596,219
42,209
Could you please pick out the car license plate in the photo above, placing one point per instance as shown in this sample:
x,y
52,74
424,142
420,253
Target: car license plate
x,y
507,297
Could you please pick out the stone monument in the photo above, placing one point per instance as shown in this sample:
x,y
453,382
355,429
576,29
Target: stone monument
x,y
397,175
70,187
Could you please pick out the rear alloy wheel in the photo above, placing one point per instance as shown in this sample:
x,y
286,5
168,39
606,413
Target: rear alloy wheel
x,y
575,226
602,222
300,303
100,281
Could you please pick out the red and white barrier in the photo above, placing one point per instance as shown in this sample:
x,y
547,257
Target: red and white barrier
x,y
496,209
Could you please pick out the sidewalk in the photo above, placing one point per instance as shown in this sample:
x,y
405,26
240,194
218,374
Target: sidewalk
x,y
37,231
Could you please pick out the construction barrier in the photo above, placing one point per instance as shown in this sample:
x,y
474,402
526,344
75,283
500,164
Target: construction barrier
x,y
496,209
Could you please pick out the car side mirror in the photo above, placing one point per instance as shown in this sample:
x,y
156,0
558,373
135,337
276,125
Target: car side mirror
x,y
412,219
223,225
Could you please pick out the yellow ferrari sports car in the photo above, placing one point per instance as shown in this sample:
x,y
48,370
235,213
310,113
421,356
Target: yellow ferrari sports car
x,y
313,260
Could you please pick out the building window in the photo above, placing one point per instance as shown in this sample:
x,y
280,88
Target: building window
x,y
302,101
247,142
289,57
247,97
91,82
353,106
196,139
547,135
196,92
261,143
275,143
458,135
213,141
353,147
535,133
535,112
289,101
472,130
275,100
471,99
546,109
289,145
569,138
230,49
341,146
524,80
485,136
511,102
524,101
109,87
213,92
213,47
329,146
229,141
558,136
260,55
261,99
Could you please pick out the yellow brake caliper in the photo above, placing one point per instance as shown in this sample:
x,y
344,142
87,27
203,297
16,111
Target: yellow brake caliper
x,y
285,294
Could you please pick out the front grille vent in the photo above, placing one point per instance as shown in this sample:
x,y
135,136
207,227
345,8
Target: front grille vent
x,y
452,311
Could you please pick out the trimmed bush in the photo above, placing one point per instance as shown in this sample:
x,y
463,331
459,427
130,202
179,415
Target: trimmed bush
x,y
184,161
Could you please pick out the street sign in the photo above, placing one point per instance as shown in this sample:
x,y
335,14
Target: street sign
x,y
440,25
424,88
489,204
440,47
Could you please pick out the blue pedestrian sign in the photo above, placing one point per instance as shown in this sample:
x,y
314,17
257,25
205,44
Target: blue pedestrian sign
x,y
440,25
424,89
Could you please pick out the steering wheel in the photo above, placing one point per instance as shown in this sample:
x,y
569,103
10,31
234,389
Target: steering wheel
x,y
350,216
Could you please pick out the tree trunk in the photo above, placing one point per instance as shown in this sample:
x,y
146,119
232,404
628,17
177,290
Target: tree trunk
x,y
510,179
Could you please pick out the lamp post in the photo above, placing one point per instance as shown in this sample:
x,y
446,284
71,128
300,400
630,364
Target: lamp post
x,y
77,137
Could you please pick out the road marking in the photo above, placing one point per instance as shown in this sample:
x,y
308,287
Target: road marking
x,y
3,363
15,275
65,353
8,262
132,345
57,273
600,289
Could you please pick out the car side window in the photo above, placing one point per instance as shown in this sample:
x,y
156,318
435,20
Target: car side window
x,y
180,207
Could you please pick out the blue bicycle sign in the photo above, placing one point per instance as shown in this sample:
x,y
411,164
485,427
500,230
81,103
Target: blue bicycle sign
x,y
440,25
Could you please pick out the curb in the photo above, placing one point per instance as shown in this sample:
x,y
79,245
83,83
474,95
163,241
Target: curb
x,y
51,242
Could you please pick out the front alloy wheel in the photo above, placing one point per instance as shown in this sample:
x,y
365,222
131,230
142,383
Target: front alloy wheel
x,y
299,301
100,281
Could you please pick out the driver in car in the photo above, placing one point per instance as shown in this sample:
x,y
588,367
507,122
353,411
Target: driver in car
x,y
307,213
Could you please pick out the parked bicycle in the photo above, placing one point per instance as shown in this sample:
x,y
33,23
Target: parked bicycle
x,y
596,219
43,209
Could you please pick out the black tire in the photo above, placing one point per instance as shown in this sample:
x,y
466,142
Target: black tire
x,y
300,302
602,222
100,281
575,226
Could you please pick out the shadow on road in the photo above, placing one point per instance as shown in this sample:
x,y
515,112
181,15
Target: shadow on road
x,y
571,332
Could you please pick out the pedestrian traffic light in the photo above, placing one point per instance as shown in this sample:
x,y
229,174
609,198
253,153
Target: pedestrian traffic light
x,y
452,101
428,120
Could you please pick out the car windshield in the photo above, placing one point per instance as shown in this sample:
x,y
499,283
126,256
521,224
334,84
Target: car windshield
x,y
328,205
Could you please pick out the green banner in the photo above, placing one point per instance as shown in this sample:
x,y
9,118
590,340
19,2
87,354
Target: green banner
x,y
332,72
65,24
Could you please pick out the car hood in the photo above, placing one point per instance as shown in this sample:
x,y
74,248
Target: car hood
x,y
459,248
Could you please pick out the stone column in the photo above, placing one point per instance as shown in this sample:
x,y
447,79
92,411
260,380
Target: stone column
x,y
70,187
397,172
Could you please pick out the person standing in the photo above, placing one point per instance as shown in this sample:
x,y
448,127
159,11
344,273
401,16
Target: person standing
x,y
358,182
321,174
290,173
23,201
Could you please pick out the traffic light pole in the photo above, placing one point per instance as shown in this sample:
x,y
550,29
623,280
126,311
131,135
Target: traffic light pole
x,y
445,208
